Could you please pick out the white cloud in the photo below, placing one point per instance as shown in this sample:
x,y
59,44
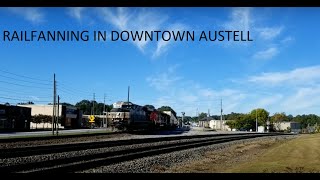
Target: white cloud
x,y
287,40
187,95
164,81
240,19
235,103
266,54
172,69
268,33
34,98
265,102
31,14
294,92
76,12
245,19
302,100
162,46
125,19
137,20
306,75
296,95
206,92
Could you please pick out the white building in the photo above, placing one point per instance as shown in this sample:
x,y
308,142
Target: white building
x,y
293,126
68,114
41,109
44,110
261,129
215,124
209,122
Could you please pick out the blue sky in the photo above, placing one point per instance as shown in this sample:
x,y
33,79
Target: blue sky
x,y
278,71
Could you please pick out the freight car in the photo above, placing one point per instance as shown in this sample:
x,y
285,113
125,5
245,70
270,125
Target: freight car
x,y
130,116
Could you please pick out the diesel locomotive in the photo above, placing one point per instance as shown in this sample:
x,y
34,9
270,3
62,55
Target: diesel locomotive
x,y
130,116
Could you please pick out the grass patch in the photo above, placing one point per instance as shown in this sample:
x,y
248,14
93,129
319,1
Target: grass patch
x,y
271,155
295,156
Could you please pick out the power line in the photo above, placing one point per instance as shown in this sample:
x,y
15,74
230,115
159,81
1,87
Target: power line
x,y
21,99
72,89
46,84
26,97
24,76
23,85
71,95
14,92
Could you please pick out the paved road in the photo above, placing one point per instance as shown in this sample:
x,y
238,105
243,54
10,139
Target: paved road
x,y
177,132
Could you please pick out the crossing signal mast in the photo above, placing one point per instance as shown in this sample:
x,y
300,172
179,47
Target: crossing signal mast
x,y
221,116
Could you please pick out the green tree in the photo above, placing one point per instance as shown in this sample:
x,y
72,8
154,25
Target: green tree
x,y
23,103
290,118
233,116
216,116
261,114
202,115
187,119
40,118
66,104
279,117
233,124
84,106
247,122
306,120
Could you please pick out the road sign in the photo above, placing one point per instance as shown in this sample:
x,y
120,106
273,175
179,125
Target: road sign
x,y
91,118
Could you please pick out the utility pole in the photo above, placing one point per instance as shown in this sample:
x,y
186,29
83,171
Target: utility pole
x,y
183,113
256,120
197,114
104,108
128,93
93,104
58,115
221,117
268,124
54,102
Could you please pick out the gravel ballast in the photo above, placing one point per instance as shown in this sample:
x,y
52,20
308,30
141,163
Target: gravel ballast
x,y
157,163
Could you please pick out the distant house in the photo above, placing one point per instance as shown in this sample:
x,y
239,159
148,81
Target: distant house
x,y
70,116
215,124
205,122
283,126
210,122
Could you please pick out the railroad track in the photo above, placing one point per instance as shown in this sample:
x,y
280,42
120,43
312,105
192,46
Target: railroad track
x,y
147,147
61,136
50,149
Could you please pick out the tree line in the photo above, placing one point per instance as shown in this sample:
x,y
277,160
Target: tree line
x,y
244,121
247,121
